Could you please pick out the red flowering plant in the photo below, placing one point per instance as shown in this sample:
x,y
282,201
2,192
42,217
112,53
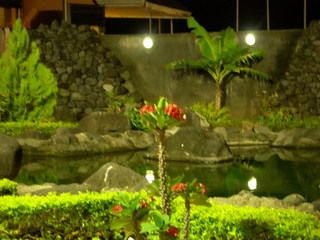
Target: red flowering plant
x,y
159,117
128,214
192,193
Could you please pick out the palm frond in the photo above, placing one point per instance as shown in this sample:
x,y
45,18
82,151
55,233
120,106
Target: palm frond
x,y
256,74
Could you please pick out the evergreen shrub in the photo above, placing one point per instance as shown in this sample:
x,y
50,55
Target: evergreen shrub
x,y
28,86
87,216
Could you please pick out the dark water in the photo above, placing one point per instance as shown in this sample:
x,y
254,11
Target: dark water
x,y
276,175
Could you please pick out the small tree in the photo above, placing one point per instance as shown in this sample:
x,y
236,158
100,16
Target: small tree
x,y
29,86
223,58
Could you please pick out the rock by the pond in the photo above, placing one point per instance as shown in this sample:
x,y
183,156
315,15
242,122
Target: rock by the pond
x,y
195,120
102,123
74,142
10,157
114,177
247,198
257,135
193,144
298,138
44,189
109,177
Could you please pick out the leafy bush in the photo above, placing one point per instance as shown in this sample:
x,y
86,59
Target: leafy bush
x,y
277,117
7,187
88,215
16,128
29,87
208,110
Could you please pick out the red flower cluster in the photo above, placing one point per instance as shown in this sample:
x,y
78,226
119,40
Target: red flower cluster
x,y
179,188
117,208
201,187
143,204
174,111
147,109
173,231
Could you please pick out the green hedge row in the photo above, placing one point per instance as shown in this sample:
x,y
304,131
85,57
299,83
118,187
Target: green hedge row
x,y
16,128
86,216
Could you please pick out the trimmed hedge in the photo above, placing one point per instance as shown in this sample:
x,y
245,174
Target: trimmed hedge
x,y
8,187
87,215
16,128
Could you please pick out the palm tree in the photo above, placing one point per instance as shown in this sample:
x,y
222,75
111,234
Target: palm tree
x,y
222,58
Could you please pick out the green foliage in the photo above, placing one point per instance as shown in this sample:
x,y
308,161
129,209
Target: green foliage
x,y
271,113
16,128
7,187
119,103
128,106
222,57
87,215
29,86
214,116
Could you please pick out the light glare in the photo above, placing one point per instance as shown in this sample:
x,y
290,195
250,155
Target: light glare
x,y
250,39
147,42
252,183
150,176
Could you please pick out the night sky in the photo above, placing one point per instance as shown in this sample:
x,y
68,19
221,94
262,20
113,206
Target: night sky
x,y
284,14
216,15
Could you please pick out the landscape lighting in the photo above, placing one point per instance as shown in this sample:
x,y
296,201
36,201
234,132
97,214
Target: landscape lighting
x,y
250,39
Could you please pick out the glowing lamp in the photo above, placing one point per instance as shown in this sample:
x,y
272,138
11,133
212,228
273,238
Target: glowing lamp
x,y
147,42
252,183
150,176
250,39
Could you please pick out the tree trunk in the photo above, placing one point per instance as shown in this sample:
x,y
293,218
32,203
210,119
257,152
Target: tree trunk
x,y
218,96
163,173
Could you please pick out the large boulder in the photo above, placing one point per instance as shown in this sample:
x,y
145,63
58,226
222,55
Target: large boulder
x,y
114,177
71,142
10,157
193,144
298,138
102,123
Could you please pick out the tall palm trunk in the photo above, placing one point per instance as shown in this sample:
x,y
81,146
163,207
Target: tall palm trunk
x,y
218,96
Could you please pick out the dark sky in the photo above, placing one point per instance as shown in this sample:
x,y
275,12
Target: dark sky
x,y
216,15
284,14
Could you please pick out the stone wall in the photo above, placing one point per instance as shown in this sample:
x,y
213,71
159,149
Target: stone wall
x,y
87,65
84,68
299,89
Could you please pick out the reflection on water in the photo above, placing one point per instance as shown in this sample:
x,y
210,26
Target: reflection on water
x,y
271,177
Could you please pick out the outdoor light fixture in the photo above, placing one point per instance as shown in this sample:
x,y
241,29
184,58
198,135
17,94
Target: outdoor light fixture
x,y
150,176
250,39
147,42
252,183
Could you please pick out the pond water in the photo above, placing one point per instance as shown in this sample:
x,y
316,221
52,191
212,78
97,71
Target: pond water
x,y
271,176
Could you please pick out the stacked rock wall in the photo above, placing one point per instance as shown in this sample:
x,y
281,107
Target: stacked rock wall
x,y
84,68
300,87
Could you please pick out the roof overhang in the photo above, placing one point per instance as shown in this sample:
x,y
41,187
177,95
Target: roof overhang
x,y
138,8
141,9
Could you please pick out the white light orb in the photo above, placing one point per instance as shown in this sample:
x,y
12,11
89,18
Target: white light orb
x,y
150,176
250,39
147,42
252,183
